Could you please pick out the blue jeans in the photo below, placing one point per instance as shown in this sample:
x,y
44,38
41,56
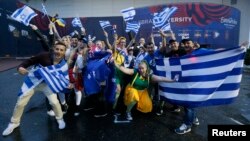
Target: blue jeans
x,y
190,115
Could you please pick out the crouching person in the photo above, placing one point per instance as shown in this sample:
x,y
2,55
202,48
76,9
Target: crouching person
x,y
50,75
137,91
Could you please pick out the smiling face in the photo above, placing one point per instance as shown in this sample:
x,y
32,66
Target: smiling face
x,y
174,46
143,69
74,42
59,51
189,46
150,49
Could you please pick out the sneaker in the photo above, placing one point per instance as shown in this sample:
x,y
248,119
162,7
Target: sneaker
x,y
100,115
76,114
129,116
10,128
183,129
196,122
116,114
77,111
159,112
65,108
51,113
61,124
120,119
175,109
88,108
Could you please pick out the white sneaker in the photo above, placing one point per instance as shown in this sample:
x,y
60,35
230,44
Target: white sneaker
x,y
76,114
10,128
51,113
61,124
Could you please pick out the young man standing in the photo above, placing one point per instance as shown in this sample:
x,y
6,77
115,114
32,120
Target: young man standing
x,y
47,64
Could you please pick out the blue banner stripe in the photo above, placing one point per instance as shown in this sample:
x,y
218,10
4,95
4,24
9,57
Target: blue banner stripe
x,y
210,102
215,63
203,91
19,11
212,77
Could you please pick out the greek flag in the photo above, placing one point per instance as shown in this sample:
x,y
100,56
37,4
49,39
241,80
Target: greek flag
x,y
206,79
55,76
104,24
160,20
23,15
135,26
44,10
128,14
76,22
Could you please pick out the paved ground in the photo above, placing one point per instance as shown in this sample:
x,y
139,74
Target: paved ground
x,y
36,125
8,63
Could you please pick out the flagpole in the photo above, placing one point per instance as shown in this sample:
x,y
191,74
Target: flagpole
x,y
45,12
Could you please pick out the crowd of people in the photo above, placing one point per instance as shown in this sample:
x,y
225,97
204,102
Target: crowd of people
x,y
134,75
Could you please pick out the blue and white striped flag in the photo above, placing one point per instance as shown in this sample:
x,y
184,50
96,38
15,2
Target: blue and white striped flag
x,y
160,20
104,24
55,76
44,10
206,79
128,14
76,22
24,15
135,26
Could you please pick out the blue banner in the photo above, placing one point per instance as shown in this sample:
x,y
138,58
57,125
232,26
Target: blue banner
x,y
213,24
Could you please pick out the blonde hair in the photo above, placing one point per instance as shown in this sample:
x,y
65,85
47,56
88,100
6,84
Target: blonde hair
x,y
120,38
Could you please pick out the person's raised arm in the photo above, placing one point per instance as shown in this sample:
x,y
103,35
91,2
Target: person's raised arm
x,y
44,41
131,42
57,36
107,39
83,33
151,38
115,41
124,70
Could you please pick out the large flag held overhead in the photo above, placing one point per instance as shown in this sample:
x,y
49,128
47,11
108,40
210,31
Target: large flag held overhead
x,y
105,24
206,79
55,76
160,20
128,14
134,26
76,22
24,15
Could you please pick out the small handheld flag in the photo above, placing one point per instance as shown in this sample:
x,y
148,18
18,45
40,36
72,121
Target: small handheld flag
x,y
128,14
160,20
61,22
24,15
104,24
76,22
